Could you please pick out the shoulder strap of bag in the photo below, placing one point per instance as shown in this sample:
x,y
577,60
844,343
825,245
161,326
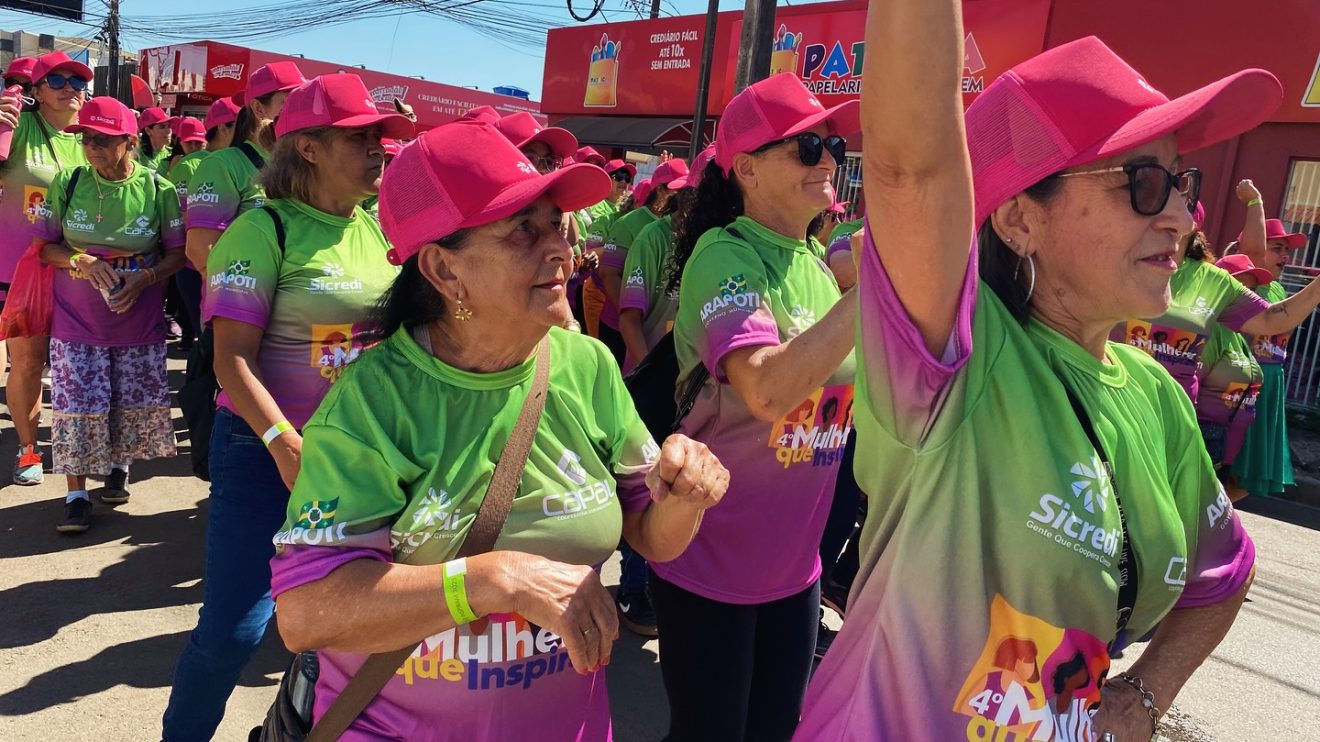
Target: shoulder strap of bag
x,y
253,155
371,678
73,183
279,225
1127,560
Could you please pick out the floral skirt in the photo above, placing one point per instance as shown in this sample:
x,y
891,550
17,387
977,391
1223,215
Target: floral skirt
x,y
111,406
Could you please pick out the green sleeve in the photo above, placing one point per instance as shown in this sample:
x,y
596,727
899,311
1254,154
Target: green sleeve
x,y
344,483
243,271
50,215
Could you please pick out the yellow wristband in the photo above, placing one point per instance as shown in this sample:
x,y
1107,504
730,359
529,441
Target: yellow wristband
x,y
73,260
275,431
455,586
1255,202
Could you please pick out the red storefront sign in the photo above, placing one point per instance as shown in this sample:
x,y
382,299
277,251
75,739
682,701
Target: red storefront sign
x,y
216,70
651,68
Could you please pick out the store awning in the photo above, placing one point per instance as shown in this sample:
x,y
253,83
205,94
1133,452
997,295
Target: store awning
x,y
636,133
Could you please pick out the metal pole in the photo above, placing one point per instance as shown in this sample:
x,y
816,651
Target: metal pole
x,y
112,30
703,85
754,47
655,8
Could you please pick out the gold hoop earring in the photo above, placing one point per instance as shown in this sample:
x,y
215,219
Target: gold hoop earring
x,y
462,313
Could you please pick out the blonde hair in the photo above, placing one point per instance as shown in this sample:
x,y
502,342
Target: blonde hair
x,y
287,174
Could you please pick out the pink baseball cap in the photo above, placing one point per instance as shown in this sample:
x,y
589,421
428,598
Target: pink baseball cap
x,y
105,115
21,69
1274,230
57,62
340,100
222,112
1237,264
152,116
1080,102
642,191
669,172
589,155
615,165
777,107
693,178
522,129
270,78
481,113
190,129
466,174
392,147
1198,216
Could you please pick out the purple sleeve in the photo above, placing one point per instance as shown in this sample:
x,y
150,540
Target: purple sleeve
x,y
840,245
294,566
614,255
634,495
1224,556
633,297
728,333
905,384
1246,306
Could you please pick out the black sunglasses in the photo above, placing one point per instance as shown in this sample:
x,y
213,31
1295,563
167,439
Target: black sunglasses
x,y
1150,185
104,141
811,147
622,176
547,164
56,81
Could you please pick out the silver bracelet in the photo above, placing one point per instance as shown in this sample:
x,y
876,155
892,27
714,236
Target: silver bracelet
x,y
1147,698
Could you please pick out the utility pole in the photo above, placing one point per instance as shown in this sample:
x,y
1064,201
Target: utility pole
x,y
112,30
703,83
655,8
755,45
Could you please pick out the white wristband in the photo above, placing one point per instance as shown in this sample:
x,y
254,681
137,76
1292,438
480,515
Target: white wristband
x,y
275,431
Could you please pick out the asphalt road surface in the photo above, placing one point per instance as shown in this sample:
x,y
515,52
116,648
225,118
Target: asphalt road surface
x,y
90,626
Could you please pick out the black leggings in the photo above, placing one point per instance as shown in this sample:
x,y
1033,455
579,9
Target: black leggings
x,y
734,672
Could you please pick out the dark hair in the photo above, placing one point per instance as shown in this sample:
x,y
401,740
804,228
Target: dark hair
x,y
815,225
1198,248
670,206
247,124
1066,670
718,201
411,300
176,148
212,133
144,140
1000,266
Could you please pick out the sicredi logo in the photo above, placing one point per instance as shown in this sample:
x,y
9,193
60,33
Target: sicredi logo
x,y
95,119
227,71
329,285
1072,524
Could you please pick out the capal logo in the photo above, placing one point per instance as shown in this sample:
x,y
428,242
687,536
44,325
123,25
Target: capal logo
x,y
141,226
571,467
387,93
1055,519
227,72
1201,308
235,275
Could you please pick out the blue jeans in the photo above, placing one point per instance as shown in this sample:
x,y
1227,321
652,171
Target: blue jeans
x,y
632,570
248,503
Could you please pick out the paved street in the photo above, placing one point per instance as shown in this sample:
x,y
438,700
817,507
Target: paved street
x,y
90,626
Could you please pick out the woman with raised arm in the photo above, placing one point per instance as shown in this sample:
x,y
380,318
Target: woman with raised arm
x,y
1001,561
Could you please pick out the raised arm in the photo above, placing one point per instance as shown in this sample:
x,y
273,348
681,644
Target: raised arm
x,y
1253,229
916,169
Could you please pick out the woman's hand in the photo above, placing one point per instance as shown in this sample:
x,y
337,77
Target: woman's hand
x,y
134,283
567,599
10,108
1247,191
1122,714
587,263
98,272
286,449
688,472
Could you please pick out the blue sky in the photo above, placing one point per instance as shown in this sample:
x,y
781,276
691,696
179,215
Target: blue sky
x,y
439,49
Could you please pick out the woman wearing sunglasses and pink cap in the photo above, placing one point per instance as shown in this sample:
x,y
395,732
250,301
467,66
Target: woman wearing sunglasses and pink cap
x,y
1264,466
225,185
113,228
400,457
157,129
289,288
762,325
1038,496
40,147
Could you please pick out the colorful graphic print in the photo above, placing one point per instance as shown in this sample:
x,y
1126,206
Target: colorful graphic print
x,y
1033,681
1168,345
335,346
815,431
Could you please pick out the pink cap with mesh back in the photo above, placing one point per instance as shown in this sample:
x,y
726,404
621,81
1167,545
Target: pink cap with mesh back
x,y
152,116
190,129
481,113
466,174
270,78
642,191
590,155
105,115
340,100
778,107
615,165
20,68
222,112
1080,102
59,62
522,129
698,167
669,172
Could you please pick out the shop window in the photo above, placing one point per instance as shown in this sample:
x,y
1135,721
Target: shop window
x,y
1300,210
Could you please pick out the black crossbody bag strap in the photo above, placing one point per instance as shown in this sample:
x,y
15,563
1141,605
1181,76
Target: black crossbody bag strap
x,y
1127,561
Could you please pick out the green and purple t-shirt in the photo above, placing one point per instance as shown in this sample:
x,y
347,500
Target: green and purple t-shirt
x,y
130,228
1231,379
622,231
396,463
24,180
747,286
1271,350
646,277
988,588
312,300
224,186
182,173
1203,295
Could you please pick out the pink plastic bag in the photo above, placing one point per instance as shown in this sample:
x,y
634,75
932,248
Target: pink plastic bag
x,y
31,301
